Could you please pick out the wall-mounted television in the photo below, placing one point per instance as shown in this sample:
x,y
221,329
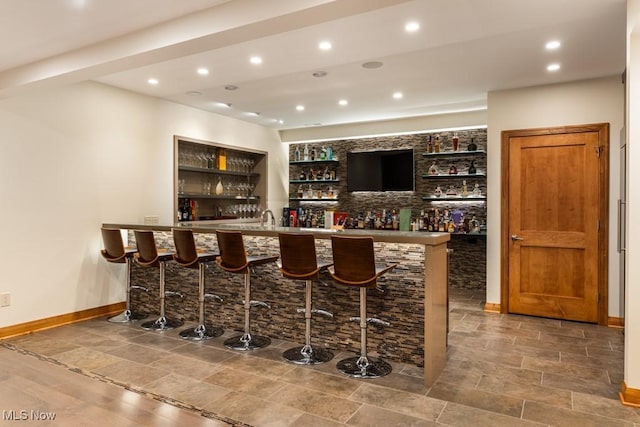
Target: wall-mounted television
x,y
391,170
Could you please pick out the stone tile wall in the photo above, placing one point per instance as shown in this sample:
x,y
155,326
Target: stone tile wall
x,y
401,303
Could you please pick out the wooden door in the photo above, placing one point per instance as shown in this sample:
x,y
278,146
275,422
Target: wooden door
x,y
554,233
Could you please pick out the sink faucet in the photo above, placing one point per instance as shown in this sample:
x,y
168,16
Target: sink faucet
x,y
273,219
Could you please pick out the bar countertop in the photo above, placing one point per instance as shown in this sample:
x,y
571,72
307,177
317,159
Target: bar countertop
x,y
255,229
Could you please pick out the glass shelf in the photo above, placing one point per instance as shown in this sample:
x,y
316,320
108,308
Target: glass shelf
x,y
454,176
215,196
216,171
307,162
313,181
454,198
307,199
455,153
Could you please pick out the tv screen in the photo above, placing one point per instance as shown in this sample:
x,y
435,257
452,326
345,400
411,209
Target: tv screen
x,y
380,171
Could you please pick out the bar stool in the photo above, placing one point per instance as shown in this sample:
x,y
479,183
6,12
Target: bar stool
x,y
148,256
299,262
234,259
187,256
114,251
354,265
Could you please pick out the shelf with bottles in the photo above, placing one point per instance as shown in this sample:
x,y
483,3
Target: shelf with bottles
x,y
327,194
306,162
215,171
454,176
458,194
309,154
459,153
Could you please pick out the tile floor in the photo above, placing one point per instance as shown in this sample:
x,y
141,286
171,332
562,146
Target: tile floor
x,y
502,370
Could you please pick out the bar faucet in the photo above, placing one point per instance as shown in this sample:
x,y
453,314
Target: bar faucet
x,y
273,219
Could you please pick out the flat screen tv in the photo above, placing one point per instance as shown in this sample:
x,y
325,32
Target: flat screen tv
x,y
390,170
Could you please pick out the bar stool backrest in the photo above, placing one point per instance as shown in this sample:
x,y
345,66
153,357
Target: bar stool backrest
x,y
147,251
298,255
233,257
113,247
354,261
186,253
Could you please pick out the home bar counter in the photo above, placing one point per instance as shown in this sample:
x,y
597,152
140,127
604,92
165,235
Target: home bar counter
x,y
412,297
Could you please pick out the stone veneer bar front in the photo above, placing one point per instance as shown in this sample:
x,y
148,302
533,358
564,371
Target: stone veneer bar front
x,y
412,297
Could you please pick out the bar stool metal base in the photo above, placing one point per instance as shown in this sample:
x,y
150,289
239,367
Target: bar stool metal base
x,y
162,324
247,342
128,316
201,332
371,368
305,355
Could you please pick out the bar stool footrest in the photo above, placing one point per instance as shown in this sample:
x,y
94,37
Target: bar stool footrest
x,y
201,332
241,343
128,317
162,324
375,368
302,356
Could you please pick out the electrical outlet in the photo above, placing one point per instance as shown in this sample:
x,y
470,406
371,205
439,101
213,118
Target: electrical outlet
x,y
5,299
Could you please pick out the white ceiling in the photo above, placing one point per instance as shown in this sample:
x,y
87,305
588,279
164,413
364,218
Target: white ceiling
x,y
463,49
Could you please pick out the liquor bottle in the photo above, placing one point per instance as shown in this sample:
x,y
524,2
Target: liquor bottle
x,y
430,145
433,169
453,170
329,153
300,192
476,190
323,153
465,190
455,141
327,175
472,168
438,192
312,156
296,154
472,146
332,174
436,146
302,176
305,154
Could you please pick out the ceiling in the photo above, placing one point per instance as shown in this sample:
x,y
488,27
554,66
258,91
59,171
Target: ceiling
x,y
462,50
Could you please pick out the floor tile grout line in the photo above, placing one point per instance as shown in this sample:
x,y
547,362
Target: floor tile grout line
x,y
160,398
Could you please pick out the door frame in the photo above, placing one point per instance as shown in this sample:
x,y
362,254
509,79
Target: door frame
x,y
603,207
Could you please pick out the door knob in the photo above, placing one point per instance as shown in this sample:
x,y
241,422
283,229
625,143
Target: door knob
x,y
515,237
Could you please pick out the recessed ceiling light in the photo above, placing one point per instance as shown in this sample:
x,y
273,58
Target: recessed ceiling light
x,y
231,87
193,93
553,67
255,60
203,71
300,107
343,102
223,104
153,81
411,27
372,65
324,45
319,74
553,44
281,121
253,114
397,95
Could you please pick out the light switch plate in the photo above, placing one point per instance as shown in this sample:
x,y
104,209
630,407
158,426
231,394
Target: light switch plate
x,y
5,299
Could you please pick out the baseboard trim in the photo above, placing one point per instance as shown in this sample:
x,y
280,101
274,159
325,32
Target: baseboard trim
x,y
63,319
491,307
629,396
615,322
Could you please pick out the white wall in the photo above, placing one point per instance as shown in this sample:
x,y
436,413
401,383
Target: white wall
x,y
575,103
76,157
632,312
